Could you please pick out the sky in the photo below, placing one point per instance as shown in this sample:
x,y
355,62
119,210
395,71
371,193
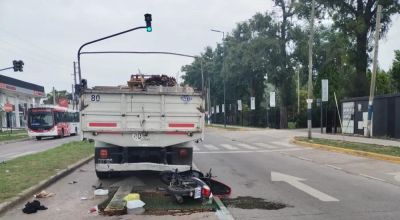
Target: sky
x,y
47,34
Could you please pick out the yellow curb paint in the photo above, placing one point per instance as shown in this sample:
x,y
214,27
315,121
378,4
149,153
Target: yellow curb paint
x,y
370,155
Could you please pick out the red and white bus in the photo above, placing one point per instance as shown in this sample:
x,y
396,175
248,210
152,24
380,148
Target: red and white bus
x,y
52,121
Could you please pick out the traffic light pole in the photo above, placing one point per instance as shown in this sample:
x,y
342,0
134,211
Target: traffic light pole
x,y
8,68
100,39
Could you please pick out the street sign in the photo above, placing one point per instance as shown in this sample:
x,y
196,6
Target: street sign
x,y
8,107
272,99
324,87
252,103
217,109
239,105
223,108
212,110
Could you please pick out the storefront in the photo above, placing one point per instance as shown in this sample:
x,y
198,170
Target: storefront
x,y
21,95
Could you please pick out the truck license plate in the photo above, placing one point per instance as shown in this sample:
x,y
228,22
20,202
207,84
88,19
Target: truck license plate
x,y
137,136
197,192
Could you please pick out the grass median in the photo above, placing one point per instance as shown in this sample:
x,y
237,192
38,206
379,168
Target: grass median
x,y
15,135
23,172
372,148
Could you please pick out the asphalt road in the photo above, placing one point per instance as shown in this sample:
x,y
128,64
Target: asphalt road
x,y
17,149
314,184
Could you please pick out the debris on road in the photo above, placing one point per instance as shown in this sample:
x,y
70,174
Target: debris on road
x,y
100,186
101,192
73,182
43,194
132,196
94,209
33,207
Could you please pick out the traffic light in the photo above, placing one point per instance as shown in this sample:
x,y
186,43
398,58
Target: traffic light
x,y
15,65
147,18
18,65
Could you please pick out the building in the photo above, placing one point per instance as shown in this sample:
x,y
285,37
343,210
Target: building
x,y
21,95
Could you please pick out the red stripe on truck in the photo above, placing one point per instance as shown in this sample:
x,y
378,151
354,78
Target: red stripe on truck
x,y
102,124
180,125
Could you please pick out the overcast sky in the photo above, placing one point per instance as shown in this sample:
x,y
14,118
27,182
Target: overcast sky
x,y
47,34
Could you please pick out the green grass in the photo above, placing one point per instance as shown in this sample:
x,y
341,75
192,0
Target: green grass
x,y
23,172
15,135
380,149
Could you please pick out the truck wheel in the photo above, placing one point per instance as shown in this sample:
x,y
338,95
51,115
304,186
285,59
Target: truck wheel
x,y
102,175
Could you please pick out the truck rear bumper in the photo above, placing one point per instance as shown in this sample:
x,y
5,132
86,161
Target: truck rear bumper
x,y
109,167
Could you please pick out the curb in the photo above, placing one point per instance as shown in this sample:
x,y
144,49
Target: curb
x,y
5,206
15,141
359,153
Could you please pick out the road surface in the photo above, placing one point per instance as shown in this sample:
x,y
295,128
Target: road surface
x,y
17,149
315,184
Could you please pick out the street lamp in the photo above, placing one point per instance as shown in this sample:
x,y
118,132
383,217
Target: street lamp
x,y
223,37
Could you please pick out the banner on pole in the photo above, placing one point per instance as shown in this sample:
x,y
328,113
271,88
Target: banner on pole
x,y
239,105
325,90
272,99
252,103
223,108
217,110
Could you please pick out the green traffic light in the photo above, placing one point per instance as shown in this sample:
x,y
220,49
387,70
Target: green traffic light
x,y
149,29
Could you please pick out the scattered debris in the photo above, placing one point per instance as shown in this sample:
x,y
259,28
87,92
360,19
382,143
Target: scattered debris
x,y
43,194
100,186
133,204
94,209
82,170
247,202
132,196
84,198
73,182
101,192
33,207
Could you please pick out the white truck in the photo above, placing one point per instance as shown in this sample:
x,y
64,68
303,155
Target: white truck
x,y
141,127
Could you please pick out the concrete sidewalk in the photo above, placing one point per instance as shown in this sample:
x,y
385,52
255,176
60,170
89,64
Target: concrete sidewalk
x,y
358,139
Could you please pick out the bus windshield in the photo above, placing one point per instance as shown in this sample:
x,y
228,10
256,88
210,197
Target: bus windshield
x,y
41,120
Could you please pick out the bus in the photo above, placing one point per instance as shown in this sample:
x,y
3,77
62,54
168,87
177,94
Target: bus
x,y
52,121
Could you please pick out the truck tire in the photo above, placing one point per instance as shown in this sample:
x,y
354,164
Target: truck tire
x,y
102,175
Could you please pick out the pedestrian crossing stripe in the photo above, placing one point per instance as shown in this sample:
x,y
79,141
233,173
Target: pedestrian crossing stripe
x,y
264,145
229,147
210,147
283,144
247,146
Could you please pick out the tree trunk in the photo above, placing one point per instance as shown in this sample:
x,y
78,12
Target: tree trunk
x,y
361,60
283,123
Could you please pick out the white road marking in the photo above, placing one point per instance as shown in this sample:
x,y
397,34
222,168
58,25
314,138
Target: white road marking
x,y
223,213
23,154
229,147
284,144
371,177
210,146
334,167
248,151
194,146
264,145
295,182
247,146
396,176
303,158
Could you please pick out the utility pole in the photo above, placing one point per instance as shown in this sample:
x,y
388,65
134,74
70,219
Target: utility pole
x,y
209,100
73,94
222,70
310,64
374,68
54,96
298,88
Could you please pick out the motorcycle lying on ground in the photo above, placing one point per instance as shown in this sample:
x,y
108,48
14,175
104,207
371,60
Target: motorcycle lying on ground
x,y
193,184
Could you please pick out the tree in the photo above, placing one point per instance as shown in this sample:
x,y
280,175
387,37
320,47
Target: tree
x,y
59,94
356,19
394,72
